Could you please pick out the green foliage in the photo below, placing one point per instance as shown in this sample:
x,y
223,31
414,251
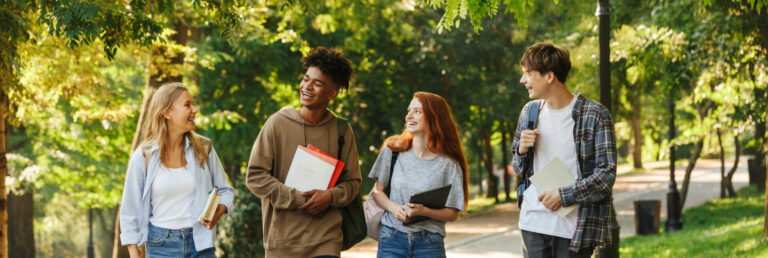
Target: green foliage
x,y
117,24
457,10
757,5
76,98
726,227
477,11
240,233
77,123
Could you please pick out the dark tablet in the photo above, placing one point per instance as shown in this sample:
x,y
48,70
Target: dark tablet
x,y
433,199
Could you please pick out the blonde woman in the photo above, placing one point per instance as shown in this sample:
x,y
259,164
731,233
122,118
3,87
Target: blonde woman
x,y
169,179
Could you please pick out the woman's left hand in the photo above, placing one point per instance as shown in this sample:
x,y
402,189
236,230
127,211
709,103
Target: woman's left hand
x,y
415,209
219,211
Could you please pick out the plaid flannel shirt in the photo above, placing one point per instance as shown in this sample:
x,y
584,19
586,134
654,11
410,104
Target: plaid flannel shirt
x,y
596,149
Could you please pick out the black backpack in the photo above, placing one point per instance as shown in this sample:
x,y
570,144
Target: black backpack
x,y
533,117
353,225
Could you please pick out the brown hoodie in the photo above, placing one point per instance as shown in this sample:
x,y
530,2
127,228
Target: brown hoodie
x,y
288,231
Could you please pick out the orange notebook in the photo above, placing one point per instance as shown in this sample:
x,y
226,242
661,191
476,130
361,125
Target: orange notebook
x,y
339,165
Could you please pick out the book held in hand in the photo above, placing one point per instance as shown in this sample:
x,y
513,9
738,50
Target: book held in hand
x,y
313,169
551,177
432,198
336,171
211,205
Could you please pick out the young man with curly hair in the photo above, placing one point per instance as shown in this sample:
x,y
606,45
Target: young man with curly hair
x,y
305,224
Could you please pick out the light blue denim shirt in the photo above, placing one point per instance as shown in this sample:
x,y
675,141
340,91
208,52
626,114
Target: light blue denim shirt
x,y
135,210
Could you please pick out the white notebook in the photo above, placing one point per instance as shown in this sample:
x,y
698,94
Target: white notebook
x,y
309,171
553,176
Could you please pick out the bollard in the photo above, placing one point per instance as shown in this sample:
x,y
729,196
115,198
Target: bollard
x,y
647,214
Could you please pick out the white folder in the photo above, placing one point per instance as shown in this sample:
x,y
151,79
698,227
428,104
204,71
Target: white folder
x,y
553,176
309,171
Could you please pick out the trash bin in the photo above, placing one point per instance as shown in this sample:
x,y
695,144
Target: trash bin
x,y
647,216
756,173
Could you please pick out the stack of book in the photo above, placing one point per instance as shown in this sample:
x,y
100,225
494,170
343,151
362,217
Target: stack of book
x,y
313,169
211,205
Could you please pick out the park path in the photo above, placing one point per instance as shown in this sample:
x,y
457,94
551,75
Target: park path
x,y
494,233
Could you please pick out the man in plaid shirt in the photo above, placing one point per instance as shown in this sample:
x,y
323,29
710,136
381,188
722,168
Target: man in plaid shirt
x,y
579,132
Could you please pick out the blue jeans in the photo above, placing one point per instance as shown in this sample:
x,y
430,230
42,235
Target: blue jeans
x,y
393,243
173,243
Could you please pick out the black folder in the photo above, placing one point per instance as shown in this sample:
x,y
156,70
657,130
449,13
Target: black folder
x,y
433,199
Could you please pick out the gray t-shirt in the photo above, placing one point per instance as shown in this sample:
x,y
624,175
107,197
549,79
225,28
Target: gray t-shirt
x,y
412,175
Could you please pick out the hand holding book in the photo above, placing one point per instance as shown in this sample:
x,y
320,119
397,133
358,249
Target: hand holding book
x,y
313,169
213,210
220,209
317,201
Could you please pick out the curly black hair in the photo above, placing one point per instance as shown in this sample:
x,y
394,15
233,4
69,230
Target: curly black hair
x,y
332,63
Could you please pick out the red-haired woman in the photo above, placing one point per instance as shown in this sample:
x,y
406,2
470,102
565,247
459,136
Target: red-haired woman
x,y
429,156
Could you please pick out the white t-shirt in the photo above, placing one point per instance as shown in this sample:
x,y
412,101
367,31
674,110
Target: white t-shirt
x,y
172,194
555,140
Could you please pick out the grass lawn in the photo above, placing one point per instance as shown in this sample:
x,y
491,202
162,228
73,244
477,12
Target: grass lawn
x,y
719,228
482,203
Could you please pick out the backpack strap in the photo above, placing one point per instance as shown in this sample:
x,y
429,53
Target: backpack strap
x,y
391,169
341,126
206,143
534,108
533,114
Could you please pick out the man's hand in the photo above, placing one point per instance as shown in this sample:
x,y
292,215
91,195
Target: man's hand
x,y
527,139
551,200
317,201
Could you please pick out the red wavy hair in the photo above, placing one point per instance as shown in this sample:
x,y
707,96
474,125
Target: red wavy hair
x,y
442,134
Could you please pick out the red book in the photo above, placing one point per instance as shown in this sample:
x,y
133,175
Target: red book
x,y
339,165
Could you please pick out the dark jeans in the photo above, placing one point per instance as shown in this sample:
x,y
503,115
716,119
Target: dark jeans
x,y
173,243
393,243
537,245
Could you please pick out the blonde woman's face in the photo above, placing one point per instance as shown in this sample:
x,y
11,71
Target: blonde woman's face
x,y
414,120
181,115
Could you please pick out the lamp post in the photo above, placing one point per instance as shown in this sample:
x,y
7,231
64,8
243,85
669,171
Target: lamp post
x,y
90,233
673,197
603,14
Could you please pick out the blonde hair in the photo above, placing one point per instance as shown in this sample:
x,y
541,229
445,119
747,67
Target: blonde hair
x,y
156,126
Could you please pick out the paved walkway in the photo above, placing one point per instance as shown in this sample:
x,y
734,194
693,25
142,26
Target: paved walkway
x,y
494,233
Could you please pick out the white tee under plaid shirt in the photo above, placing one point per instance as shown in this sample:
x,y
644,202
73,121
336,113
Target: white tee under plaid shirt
x,y
596,150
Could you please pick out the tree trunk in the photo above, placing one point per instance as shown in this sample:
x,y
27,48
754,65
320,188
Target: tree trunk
x,y
234,171
505,161
4,112
21,236
493,186
689,170
637,134
702,109
479,152
760,135
166,68
722,163
729,176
